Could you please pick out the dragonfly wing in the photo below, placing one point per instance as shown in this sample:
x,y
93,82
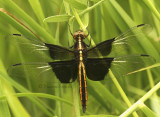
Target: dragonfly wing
x,y
97,68
31,48
40,50
66,71
43,72
60,53
32,74
121,44
129,63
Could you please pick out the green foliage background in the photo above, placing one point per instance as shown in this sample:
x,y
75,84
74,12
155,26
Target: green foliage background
x,y
105,19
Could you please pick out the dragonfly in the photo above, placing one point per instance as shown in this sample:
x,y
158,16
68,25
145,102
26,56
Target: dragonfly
x,y
82,61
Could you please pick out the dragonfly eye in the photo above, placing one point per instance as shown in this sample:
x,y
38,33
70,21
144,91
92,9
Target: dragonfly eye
x,y
83,36
75,36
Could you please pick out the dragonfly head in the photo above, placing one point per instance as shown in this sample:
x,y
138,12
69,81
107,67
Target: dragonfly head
x,y
79,35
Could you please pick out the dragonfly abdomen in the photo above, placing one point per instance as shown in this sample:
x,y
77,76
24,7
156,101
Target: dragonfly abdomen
x,y
83,85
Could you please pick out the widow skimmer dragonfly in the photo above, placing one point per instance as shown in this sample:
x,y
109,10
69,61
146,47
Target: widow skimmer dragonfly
x,y
81,60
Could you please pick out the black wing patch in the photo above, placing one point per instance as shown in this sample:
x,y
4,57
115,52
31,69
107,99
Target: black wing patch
x,y
96,69
59,53
103,49
66,71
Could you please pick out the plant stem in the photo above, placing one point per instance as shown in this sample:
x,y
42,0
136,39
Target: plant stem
x,y
140,101
121,91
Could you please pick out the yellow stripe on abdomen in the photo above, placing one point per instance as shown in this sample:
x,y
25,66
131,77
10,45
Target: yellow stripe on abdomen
x,y
83,85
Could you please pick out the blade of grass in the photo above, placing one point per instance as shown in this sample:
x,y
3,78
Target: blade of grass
x,y
35,4
140,101
17,25
155,100
152,8
21,89
97,96
123,21
19,111
147,111
35,26
57,18
100,116
12,100
137,16
122,93
77,4
90,8
4,108
146,68
103,92
42,95
155,104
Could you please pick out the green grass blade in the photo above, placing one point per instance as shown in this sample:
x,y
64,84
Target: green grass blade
x,y
36,27
35,4
4,108
101,90
57,18
140,101
12,100
147,111
152,8
21,89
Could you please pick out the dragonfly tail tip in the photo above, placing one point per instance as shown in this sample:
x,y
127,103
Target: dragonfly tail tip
x,y
84,109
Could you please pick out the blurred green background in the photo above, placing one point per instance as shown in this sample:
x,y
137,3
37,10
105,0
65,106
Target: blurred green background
x,y
105,19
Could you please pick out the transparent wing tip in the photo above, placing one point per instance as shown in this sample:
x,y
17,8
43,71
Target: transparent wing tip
x,y
9,70
152,58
